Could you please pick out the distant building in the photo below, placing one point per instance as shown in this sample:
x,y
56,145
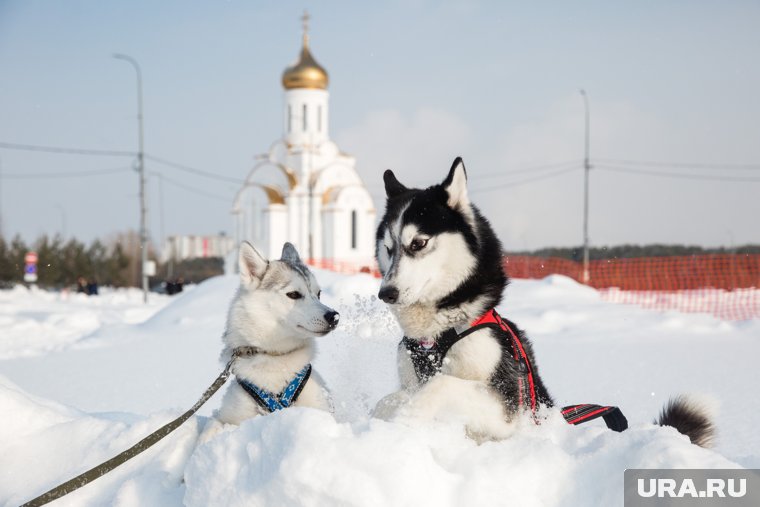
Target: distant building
x,y
180,248
304,189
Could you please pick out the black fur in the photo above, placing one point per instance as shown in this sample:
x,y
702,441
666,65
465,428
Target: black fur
x,y
428,209
688,418
504,381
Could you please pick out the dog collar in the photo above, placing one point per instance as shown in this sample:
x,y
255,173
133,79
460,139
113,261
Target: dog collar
x,y
249,351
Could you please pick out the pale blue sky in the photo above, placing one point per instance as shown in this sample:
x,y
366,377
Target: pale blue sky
x,y
413,84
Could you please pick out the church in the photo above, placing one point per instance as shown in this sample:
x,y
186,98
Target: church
x,y
305,189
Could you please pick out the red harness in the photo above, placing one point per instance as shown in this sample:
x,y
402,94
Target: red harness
x,y
518,353
427,358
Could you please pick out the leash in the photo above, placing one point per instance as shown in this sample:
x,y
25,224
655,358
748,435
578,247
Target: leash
x,y
90,475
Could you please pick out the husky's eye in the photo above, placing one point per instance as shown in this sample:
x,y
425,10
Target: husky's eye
x,y
294,295
417,244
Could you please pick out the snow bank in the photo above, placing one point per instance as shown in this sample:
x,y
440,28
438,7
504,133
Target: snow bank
x,y
303,457
135,368
43,444
36,322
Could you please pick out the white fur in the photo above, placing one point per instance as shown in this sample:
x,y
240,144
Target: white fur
x,y
457,190
458,196
433,272
262,315
449,399
474,358
461,392
436,271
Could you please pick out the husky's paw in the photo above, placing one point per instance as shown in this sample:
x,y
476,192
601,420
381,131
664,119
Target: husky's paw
x,y
468,403
212,428
389,406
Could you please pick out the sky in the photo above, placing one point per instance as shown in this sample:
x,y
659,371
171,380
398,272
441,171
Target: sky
x,y
672,89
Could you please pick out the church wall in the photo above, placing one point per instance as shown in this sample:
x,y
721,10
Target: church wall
x,y
275,216
315,130
328,191
353,222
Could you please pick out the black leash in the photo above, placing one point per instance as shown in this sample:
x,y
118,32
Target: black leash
x,y
90,475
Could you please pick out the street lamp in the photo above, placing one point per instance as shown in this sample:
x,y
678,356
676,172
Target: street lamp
x,y
586,167
141,171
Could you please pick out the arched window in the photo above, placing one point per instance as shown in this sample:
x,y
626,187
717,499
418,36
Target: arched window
x,y
353,229
290,118
304,118
319,118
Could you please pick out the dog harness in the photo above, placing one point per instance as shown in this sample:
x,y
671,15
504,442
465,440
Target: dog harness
x,y
428,359
273,402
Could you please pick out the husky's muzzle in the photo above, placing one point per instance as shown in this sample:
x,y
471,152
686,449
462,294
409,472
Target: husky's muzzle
x,y
332,317
388,294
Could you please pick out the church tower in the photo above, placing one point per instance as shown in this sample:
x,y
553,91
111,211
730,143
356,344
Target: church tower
x,y
306,97
305,189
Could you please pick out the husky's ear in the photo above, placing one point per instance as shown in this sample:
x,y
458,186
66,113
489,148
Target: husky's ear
x,y
252,264
455,185
393,187
290,254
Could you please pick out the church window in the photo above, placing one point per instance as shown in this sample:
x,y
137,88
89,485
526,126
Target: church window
x,y
304,118
319,118
290,118
353,229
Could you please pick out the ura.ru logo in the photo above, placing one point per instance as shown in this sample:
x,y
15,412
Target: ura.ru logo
x,y
714,488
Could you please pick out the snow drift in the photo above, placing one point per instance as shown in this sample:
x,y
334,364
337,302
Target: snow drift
x,y
118,370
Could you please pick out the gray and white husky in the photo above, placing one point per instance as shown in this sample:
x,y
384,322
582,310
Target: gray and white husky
x,y
442,271
271,325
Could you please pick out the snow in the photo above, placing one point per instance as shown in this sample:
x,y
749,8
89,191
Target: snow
x,y
82,379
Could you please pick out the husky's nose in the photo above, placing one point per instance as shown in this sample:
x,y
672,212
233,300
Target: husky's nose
x,y
388,294
332,317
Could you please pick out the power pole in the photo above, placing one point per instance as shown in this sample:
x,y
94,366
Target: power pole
x,y
2,217
586,167
141,171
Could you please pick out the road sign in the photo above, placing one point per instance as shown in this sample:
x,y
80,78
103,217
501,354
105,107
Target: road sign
x,y
30,269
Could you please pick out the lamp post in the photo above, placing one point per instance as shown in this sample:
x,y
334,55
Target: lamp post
x,y
141,171
586,167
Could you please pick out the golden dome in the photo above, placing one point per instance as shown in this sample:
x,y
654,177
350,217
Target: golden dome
x,y
306,73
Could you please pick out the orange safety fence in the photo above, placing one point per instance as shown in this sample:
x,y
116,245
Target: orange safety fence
x,y
345,267
726,285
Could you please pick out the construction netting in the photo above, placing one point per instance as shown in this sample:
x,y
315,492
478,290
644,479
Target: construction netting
x,y
726,285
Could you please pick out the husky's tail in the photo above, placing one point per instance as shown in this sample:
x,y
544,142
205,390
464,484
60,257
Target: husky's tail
x,y
689,417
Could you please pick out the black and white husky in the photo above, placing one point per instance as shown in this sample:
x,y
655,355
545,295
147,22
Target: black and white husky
x,y
442,276
271,325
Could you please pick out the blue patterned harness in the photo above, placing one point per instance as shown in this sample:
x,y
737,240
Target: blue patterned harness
x,y
273,402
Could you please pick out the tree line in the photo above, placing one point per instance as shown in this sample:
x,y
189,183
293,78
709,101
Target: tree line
x,y
112,262
633,251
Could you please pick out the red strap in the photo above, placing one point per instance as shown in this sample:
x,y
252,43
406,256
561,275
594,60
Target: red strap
x,y
587,416
491,317
486,318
